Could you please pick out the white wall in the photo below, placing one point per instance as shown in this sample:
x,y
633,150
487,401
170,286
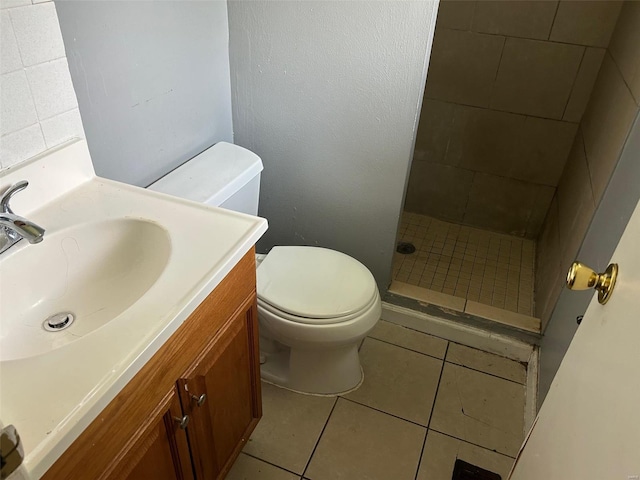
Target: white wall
x,y
39,109
152,79
328,94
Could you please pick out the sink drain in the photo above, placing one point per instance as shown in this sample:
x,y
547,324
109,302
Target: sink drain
x,y
58,322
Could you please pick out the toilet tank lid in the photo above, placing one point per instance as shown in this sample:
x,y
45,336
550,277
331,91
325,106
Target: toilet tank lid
x,y
212,176
314,282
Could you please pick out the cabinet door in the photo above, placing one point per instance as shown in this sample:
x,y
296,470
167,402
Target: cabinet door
x,y
158,450
227,374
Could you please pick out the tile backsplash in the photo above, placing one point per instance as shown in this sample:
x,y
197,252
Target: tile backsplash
x,y
507,85
39,109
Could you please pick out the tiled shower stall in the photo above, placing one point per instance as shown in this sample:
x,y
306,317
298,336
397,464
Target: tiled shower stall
x,y
526,108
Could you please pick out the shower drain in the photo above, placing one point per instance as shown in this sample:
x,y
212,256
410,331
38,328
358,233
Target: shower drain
x,y
58,322
405,248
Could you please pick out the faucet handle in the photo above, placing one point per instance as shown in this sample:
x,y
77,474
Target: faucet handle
x,y
11,191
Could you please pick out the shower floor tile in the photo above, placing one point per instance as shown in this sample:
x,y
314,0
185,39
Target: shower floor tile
x,y
487,267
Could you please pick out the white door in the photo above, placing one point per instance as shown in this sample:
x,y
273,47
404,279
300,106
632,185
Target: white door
x,y
589,424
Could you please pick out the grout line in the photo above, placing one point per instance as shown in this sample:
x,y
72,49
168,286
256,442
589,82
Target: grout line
x,y
553,22
269,463
408,349
624,80
471,443
497,110
383,412
487,373
558,42
319,438
573,85
433,406
449,234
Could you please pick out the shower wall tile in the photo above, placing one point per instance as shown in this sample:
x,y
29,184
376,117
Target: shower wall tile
x,y
507,205
439,189
508,83
535,78
434,131
510,145
585,22
544,146
576,205
525,19
548,276
583,86
606,124
484,140
625,46
456,14
603,131
463,66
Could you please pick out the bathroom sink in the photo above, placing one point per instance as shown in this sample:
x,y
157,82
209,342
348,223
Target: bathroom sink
x,y
79,278
130,264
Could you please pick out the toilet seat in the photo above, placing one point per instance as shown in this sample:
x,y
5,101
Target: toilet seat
x,y
314,285
315,321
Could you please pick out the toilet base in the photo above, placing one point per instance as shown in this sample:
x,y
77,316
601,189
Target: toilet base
x,y
329,372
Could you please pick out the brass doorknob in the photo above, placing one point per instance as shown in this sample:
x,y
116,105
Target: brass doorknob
x,y
582,277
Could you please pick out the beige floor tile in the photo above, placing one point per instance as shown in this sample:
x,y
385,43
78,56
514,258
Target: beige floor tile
x,y
397,381
411,339
441,451
249,468
487,362
480,409
289,428
361,443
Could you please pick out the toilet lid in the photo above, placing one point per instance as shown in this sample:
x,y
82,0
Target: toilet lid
x,y
314,282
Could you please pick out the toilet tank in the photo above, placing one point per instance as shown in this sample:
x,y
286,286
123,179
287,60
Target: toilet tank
x,y
224,175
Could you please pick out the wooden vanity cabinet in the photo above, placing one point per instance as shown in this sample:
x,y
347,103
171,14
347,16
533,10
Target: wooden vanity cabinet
x,y
160,451
138,436
220,393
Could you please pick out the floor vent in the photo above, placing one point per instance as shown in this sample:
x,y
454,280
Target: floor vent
x,y
465,471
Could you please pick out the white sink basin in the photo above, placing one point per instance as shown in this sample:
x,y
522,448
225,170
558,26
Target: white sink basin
x,y
130,264
94,271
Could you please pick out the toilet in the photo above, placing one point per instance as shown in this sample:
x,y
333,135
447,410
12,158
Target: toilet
x,y
315,305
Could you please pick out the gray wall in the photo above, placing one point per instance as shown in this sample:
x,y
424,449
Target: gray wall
x,y
608,223
152,80
610,112
597,194
327,93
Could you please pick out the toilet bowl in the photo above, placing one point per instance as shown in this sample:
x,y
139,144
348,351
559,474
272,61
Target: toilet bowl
x,y
315,305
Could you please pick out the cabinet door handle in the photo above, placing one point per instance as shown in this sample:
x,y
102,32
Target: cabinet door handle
x,y
199,400
182,422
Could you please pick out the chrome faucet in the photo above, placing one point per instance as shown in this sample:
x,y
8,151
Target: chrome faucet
x,y
14,228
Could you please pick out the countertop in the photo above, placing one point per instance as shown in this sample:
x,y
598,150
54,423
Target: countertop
x,y
52,397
